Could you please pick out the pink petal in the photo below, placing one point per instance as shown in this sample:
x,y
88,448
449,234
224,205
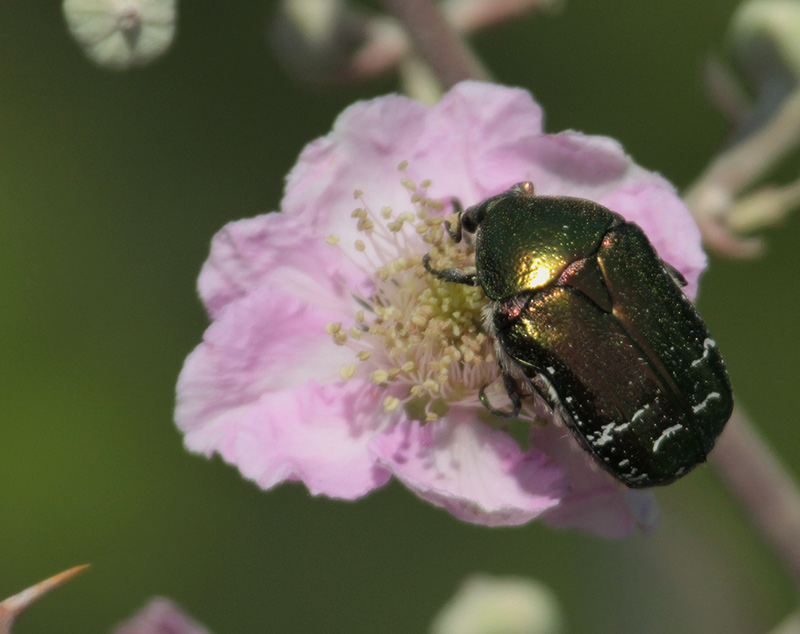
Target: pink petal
x,y
610,514
477,473
160,616
368,142
477,139
317,434
591,499
265,342
281,251
456,143
666,220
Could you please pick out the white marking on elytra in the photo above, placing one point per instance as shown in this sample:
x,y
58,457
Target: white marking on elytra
x,y
607,436
701,406
624,463
636,416
639,413
669,431
551,369
708,344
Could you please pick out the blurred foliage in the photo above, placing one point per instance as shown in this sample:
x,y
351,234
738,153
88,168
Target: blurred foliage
x,y
111,186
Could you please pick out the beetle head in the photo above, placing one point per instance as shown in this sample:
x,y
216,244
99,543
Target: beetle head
x,y
474,216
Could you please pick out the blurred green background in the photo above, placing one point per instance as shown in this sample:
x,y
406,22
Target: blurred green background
x,y
111,186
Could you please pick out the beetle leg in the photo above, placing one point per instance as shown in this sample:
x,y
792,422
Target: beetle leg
x,y
512,388
676,275
450,275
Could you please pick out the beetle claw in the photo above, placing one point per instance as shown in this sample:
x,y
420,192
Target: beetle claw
x,y
450,275
513,394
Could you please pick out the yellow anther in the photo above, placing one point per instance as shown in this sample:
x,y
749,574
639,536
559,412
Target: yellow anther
x,y
402,166
339,338
419,325
333,327
334,239
357,194
347,371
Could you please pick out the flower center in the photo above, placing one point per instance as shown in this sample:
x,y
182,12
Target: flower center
x,y
419,336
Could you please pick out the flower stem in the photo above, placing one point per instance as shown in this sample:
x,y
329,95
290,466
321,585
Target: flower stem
x,y
790,626
437,41
751,471
712,197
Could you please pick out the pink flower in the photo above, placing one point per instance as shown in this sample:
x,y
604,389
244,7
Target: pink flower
x,y
335,359
160,616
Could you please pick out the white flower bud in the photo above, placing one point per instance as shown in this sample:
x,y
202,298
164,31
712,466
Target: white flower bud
x,y
500,605
118,34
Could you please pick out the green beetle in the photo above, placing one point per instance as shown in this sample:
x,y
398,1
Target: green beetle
x,y
586,314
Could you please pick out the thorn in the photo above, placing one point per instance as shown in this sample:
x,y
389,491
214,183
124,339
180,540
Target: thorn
x,y
11,608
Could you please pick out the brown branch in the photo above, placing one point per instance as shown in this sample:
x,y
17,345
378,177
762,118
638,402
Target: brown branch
x,y
437,41
713,197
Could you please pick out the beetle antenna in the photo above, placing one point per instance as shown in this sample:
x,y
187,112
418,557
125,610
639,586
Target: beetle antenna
x,y
458,233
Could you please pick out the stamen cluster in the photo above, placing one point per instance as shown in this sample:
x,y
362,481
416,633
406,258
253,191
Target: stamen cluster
x,y
419,336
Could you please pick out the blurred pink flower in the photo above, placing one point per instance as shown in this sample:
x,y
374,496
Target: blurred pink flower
x,y
335,359
160,616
